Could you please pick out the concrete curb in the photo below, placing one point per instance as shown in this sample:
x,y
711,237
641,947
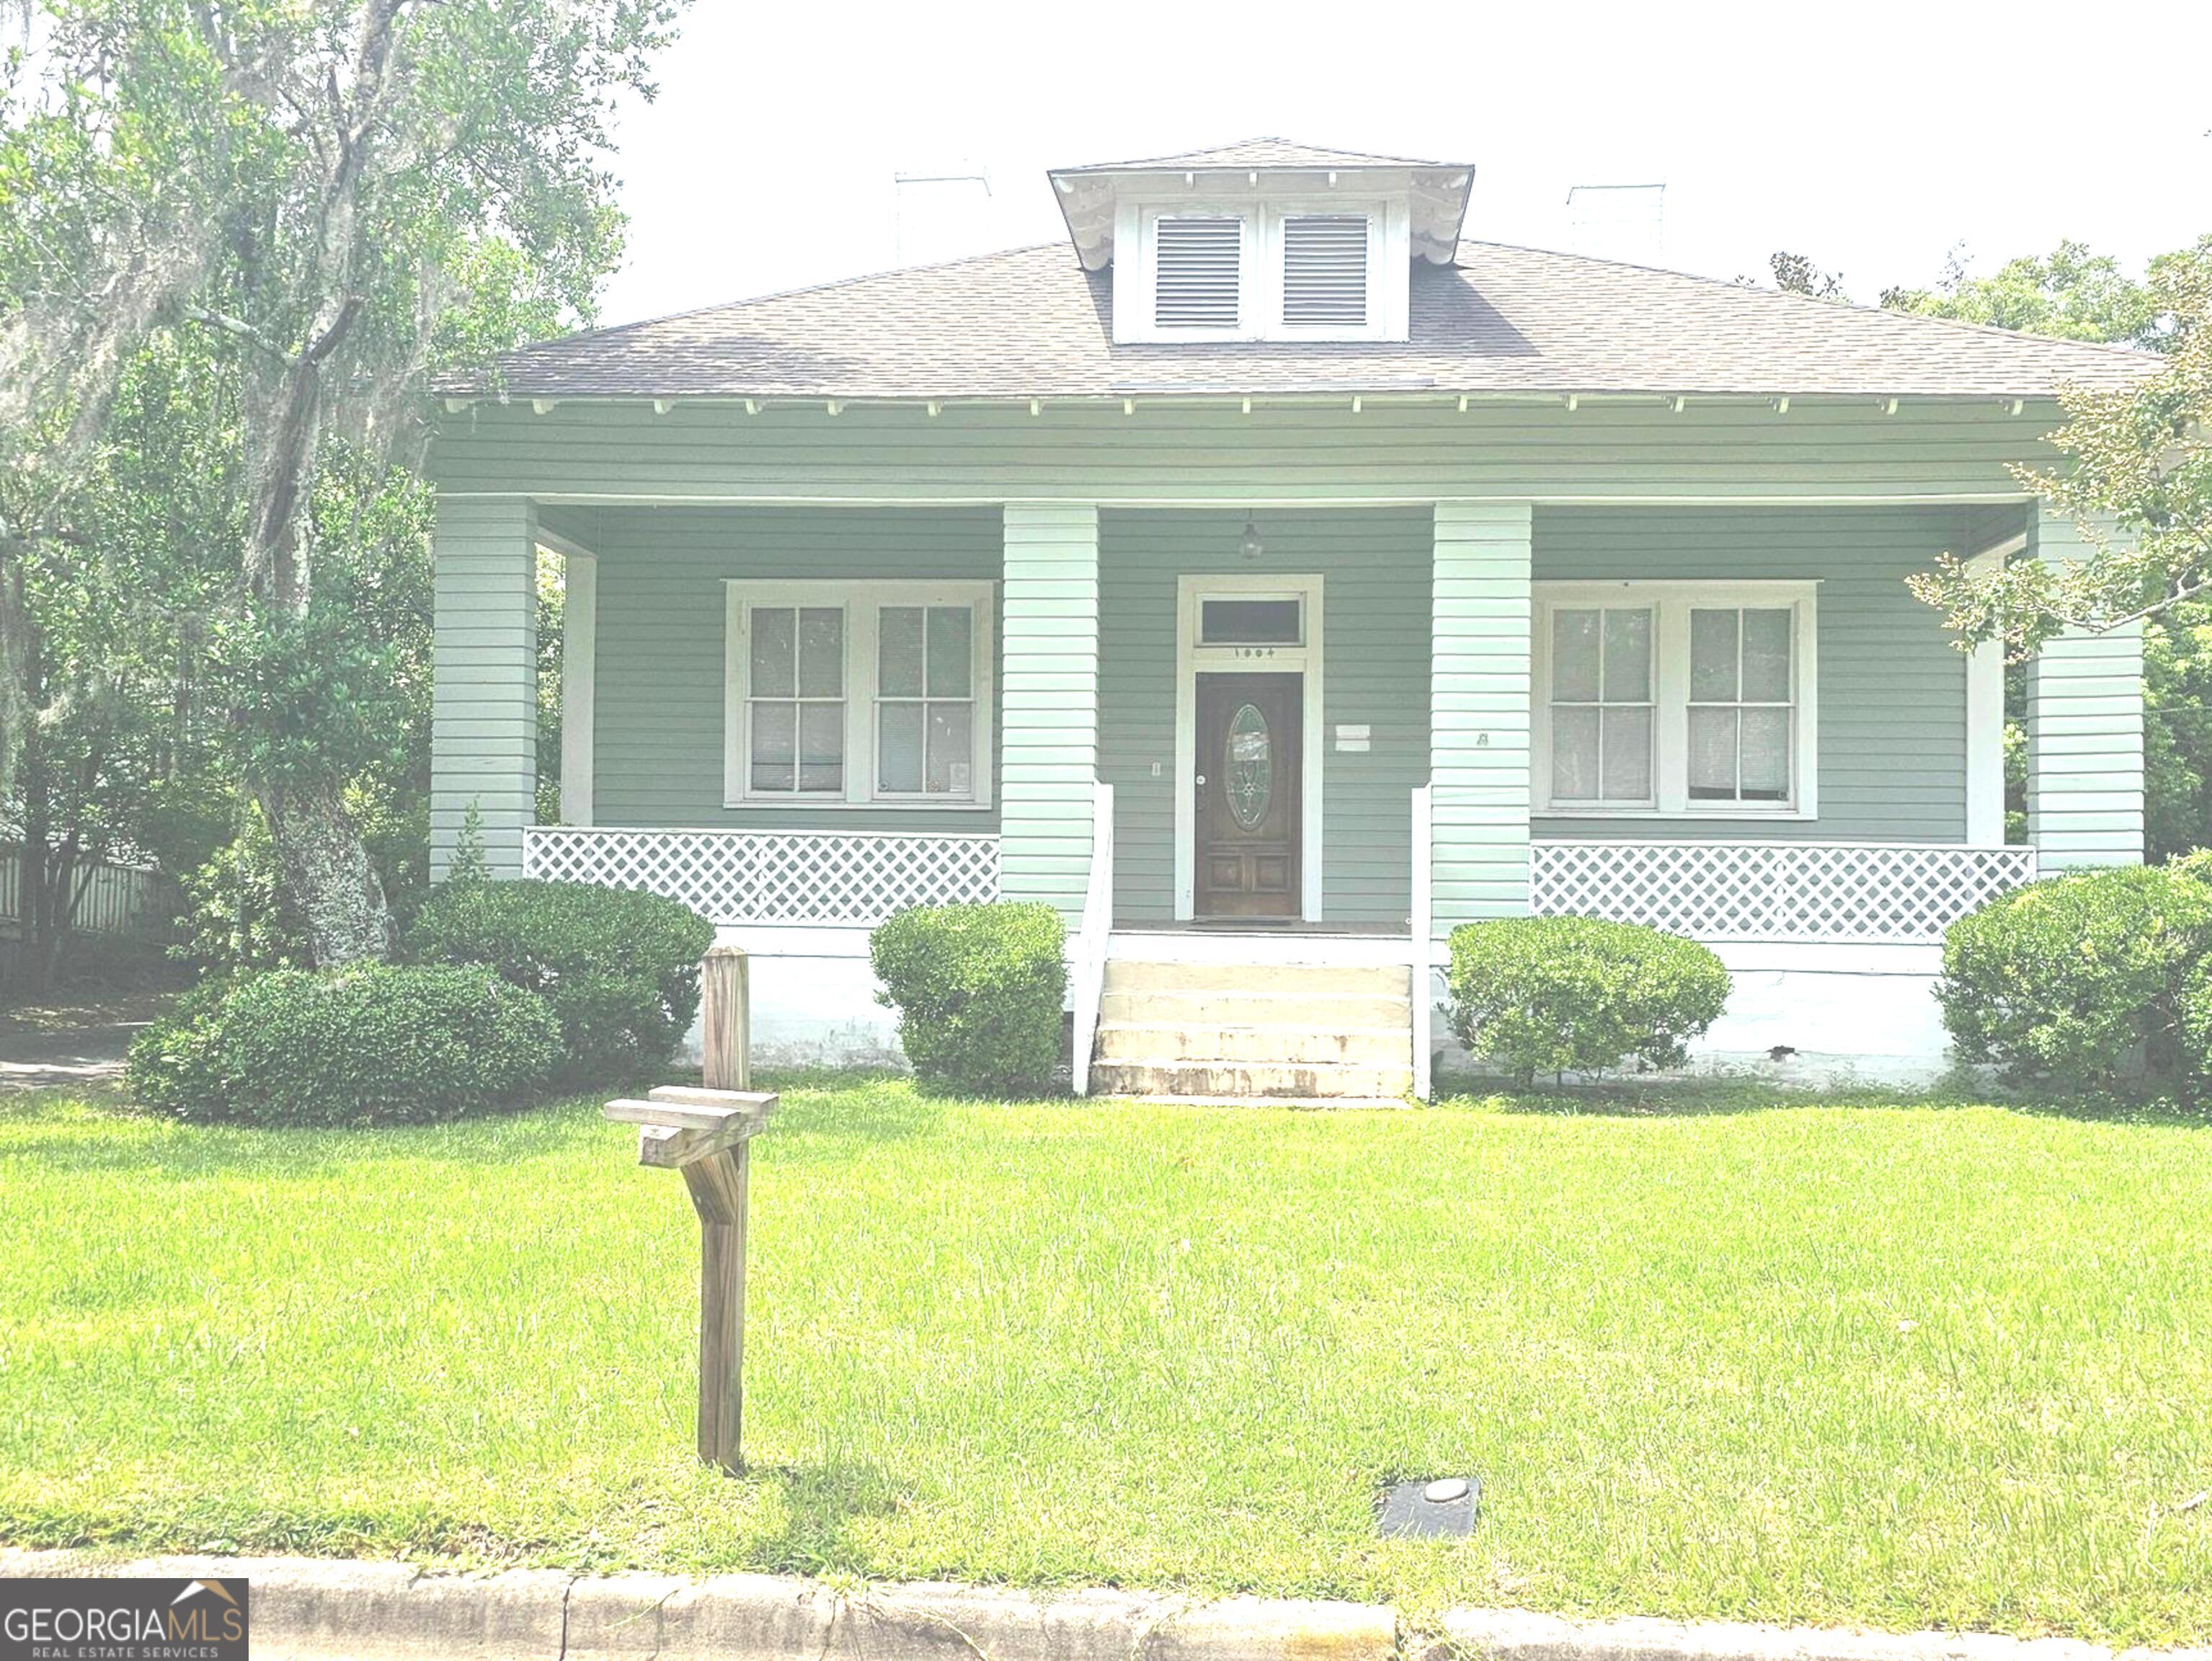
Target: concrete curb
x,y
308,1609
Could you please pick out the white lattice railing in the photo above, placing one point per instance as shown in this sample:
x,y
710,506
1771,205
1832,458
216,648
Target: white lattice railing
x,y
773,876
1775,891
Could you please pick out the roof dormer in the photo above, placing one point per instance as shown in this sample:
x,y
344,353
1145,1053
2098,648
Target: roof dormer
x,y
1262,241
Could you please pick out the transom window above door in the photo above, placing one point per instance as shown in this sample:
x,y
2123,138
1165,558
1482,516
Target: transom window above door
x,y
1689,699
840,694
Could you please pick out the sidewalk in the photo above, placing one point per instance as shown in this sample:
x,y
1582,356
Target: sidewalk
x,y
305,1609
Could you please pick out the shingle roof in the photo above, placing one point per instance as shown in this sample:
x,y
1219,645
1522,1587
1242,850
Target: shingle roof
x,y
1032,323
1254,153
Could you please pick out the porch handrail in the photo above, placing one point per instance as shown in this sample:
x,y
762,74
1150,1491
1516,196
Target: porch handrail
x,y
1091,938
1421,957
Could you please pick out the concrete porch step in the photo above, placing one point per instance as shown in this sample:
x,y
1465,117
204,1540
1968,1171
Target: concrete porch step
x,y
1251,1080
1145,1007
1375,1046
1287,979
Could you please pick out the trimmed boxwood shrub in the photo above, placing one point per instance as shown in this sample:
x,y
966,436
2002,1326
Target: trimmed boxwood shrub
x,y
979,990
619,968
2080,980
1577,995
371,1044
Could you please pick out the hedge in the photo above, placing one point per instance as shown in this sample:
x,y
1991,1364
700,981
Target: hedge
x,y
2085,981
1577,995
619,968
371,1044
979,989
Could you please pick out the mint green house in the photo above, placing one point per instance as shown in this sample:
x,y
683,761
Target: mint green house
x,y
1271,579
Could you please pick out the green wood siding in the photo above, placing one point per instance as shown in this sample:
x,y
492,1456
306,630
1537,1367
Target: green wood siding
x,y
1049,749
658,735
483,722
1314,451
1374,566
1479,680
1892,688
2085,731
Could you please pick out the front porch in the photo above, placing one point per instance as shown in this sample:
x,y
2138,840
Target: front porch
x,y
1394,689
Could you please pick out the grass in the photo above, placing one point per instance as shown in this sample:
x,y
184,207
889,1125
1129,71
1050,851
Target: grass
x,y
1920,1365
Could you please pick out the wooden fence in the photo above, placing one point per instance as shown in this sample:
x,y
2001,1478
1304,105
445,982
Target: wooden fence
x,y
121,900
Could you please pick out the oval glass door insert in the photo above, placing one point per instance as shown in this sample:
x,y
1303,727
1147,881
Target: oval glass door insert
x,y
1248,768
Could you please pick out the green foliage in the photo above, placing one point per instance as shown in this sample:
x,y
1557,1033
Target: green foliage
x,y
1577,995
2079,980
367,1045
2070,293
2135,475
2178,730
619,968
237,914
979,990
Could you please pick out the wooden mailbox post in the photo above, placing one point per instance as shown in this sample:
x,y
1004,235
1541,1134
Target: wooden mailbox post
x,y
703,1133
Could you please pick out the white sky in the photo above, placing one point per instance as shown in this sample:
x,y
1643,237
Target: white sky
x,y
1872,137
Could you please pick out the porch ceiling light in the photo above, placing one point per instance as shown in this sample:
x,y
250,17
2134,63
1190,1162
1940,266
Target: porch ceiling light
x,y
1250,544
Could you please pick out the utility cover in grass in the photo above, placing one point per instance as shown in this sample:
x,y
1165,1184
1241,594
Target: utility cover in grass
x,y
1443,1507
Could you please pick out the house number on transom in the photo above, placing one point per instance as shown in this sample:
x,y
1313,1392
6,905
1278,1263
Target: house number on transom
x,y
1248,768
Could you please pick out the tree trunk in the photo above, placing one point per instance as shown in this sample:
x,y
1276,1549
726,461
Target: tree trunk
x,y
329,872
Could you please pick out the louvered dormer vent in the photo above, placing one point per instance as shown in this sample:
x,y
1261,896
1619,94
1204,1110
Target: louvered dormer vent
x,y
1325,270
1199,265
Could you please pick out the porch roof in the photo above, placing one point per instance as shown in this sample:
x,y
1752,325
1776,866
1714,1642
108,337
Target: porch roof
x,y
1032,324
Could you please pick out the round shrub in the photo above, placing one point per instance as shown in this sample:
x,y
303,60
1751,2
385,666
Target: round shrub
x,y
2079,980
369,1044
619,968
979,990
1576,994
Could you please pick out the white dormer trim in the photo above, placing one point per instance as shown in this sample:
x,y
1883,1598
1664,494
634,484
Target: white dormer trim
x,y
1136,269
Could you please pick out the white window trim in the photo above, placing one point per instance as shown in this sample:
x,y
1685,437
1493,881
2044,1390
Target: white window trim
x,y
1192,660
1260,312
861,602
1671,603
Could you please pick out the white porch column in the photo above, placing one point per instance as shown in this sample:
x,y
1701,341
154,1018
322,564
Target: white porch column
x,y
1049,742
2085,731
1479,691
579,652
483,725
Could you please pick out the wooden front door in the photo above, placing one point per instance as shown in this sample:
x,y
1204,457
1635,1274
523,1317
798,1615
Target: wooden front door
x,y
1250,751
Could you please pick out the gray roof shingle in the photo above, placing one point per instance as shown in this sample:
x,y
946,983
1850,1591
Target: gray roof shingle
x,y
1254,153
1032,323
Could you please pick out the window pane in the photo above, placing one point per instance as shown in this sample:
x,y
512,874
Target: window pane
x,y
821,652
773,629
950,661
1766,755
1250,622
1712,656
898,747
899,652
1765,658
1627,657
1574,755
774,727
822,747
1574,657
1628,770
951,750
1713,755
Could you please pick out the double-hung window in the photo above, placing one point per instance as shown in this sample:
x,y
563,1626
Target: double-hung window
x,y
856,693
1684,698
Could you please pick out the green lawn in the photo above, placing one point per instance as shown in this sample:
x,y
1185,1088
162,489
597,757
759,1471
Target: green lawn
x,y
1831,1362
